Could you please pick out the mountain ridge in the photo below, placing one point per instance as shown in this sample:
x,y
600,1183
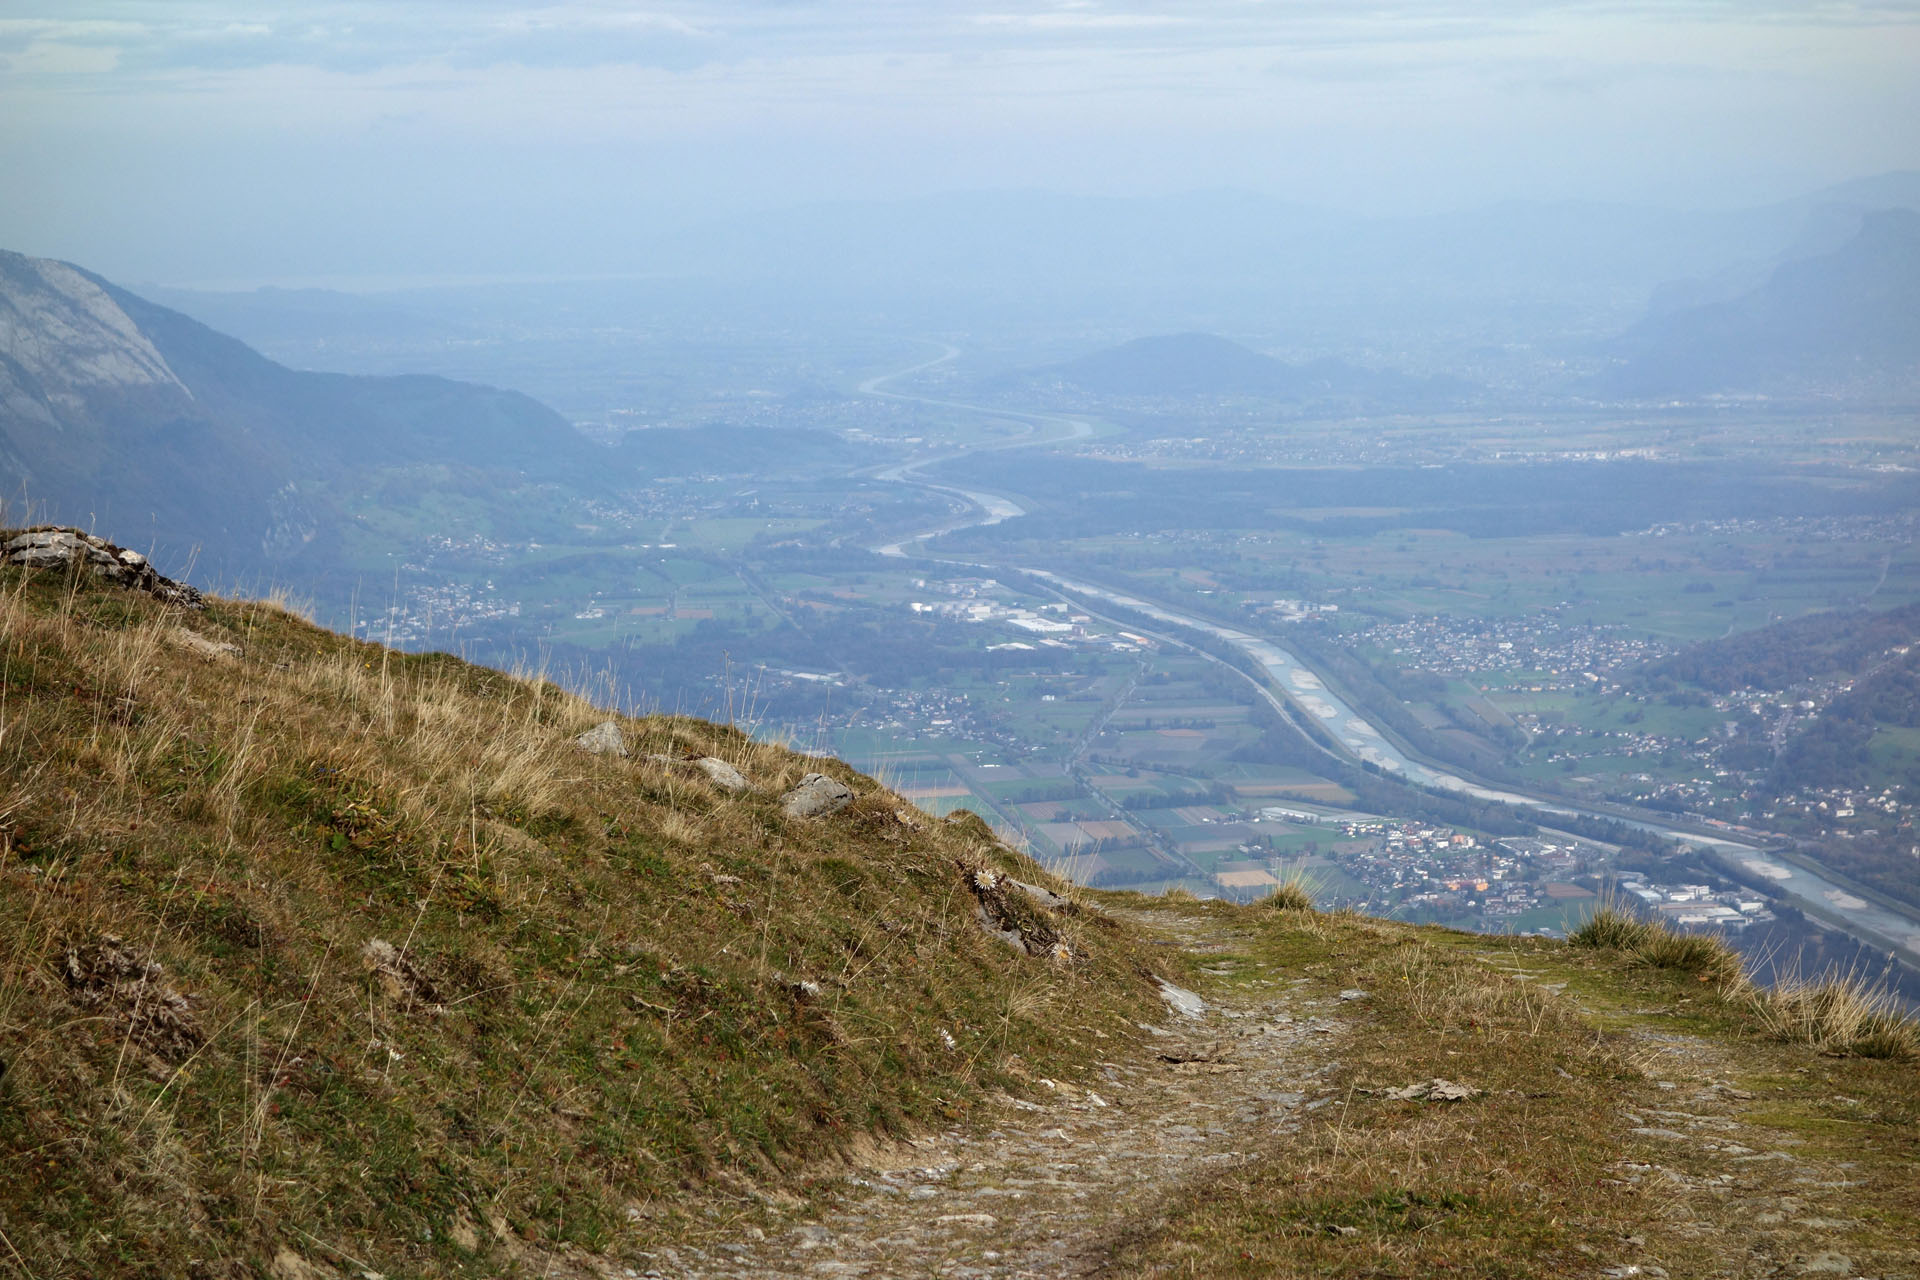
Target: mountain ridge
x,y
1844,321
1195,364
116,409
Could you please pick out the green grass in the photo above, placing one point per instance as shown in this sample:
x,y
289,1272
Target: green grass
x,y
328,943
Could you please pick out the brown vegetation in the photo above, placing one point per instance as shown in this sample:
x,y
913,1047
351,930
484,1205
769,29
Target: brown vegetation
x,y
307,942
1835,1012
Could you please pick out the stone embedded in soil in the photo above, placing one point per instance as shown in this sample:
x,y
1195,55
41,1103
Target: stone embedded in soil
x,y
210,649
816,796
603,739
1042,896
288,1265
1180,1000
1434,1090
722,774
403,980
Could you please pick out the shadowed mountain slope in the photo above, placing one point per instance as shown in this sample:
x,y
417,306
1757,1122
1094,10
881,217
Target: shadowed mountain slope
x,y
1847,321
118,411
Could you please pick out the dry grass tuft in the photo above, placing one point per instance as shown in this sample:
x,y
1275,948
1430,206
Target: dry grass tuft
x,y
1291,895
1658,945
1838,1013
1613,927
1707,956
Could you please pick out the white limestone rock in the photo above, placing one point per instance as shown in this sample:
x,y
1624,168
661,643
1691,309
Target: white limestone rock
x,y
722,774
816,796
604,739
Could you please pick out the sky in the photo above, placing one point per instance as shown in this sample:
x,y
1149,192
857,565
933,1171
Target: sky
x,y
202,141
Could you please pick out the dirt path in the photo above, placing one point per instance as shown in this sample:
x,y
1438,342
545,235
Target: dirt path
x,y
1043,1191
1710,1144
1728,1166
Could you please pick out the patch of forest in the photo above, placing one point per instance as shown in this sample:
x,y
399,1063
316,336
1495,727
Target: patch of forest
x,y
1787,653
1835,749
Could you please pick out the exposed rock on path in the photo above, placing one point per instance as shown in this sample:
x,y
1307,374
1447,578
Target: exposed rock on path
x,y
1042,1193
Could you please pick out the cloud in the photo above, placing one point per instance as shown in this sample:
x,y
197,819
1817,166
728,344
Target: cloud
x,y
1080,20
155,36
226,36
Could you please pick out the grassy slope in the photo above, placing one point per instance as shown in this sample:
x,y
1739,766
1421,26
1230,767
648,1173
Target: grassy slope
x,y
585,1021
437,988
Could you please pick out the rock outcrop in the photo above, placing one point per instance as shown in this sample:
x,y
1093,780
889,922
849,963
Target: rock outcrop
x,y
61,547
816,796
1021,915
603,740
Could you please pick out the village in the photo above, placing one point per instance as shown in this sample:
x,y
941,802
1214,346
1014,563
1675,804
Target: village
x,y
1556,655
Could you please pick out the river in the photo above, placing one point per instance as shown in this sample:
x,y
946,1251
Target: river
x,y
1306,690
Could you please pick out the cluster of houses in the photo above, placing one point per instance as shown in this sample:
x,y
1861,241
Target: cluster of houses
x,y
1838,803
435,610
1563,654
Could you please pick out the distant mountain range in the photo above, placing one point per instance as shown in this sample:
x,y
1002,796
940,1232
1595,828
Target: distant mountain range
x,y
1239,262
117,412
1843,322
1507,294
1196,365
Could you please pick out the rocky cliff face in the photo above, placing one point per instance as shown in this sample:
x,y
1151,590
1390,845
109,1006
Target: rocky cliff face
x,y
64,341
73,366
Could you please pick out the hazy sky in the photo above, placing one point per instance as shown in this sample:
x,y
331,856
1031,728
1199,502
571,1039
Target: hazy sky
x,y
164,140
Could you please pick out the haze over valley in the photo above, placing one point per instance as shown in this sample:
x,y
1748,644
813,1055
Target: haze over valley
x,y
860,536
1456,467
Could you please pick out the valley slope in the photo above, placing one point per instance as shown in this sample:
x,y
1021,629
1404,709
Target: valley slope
x,y
115,410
